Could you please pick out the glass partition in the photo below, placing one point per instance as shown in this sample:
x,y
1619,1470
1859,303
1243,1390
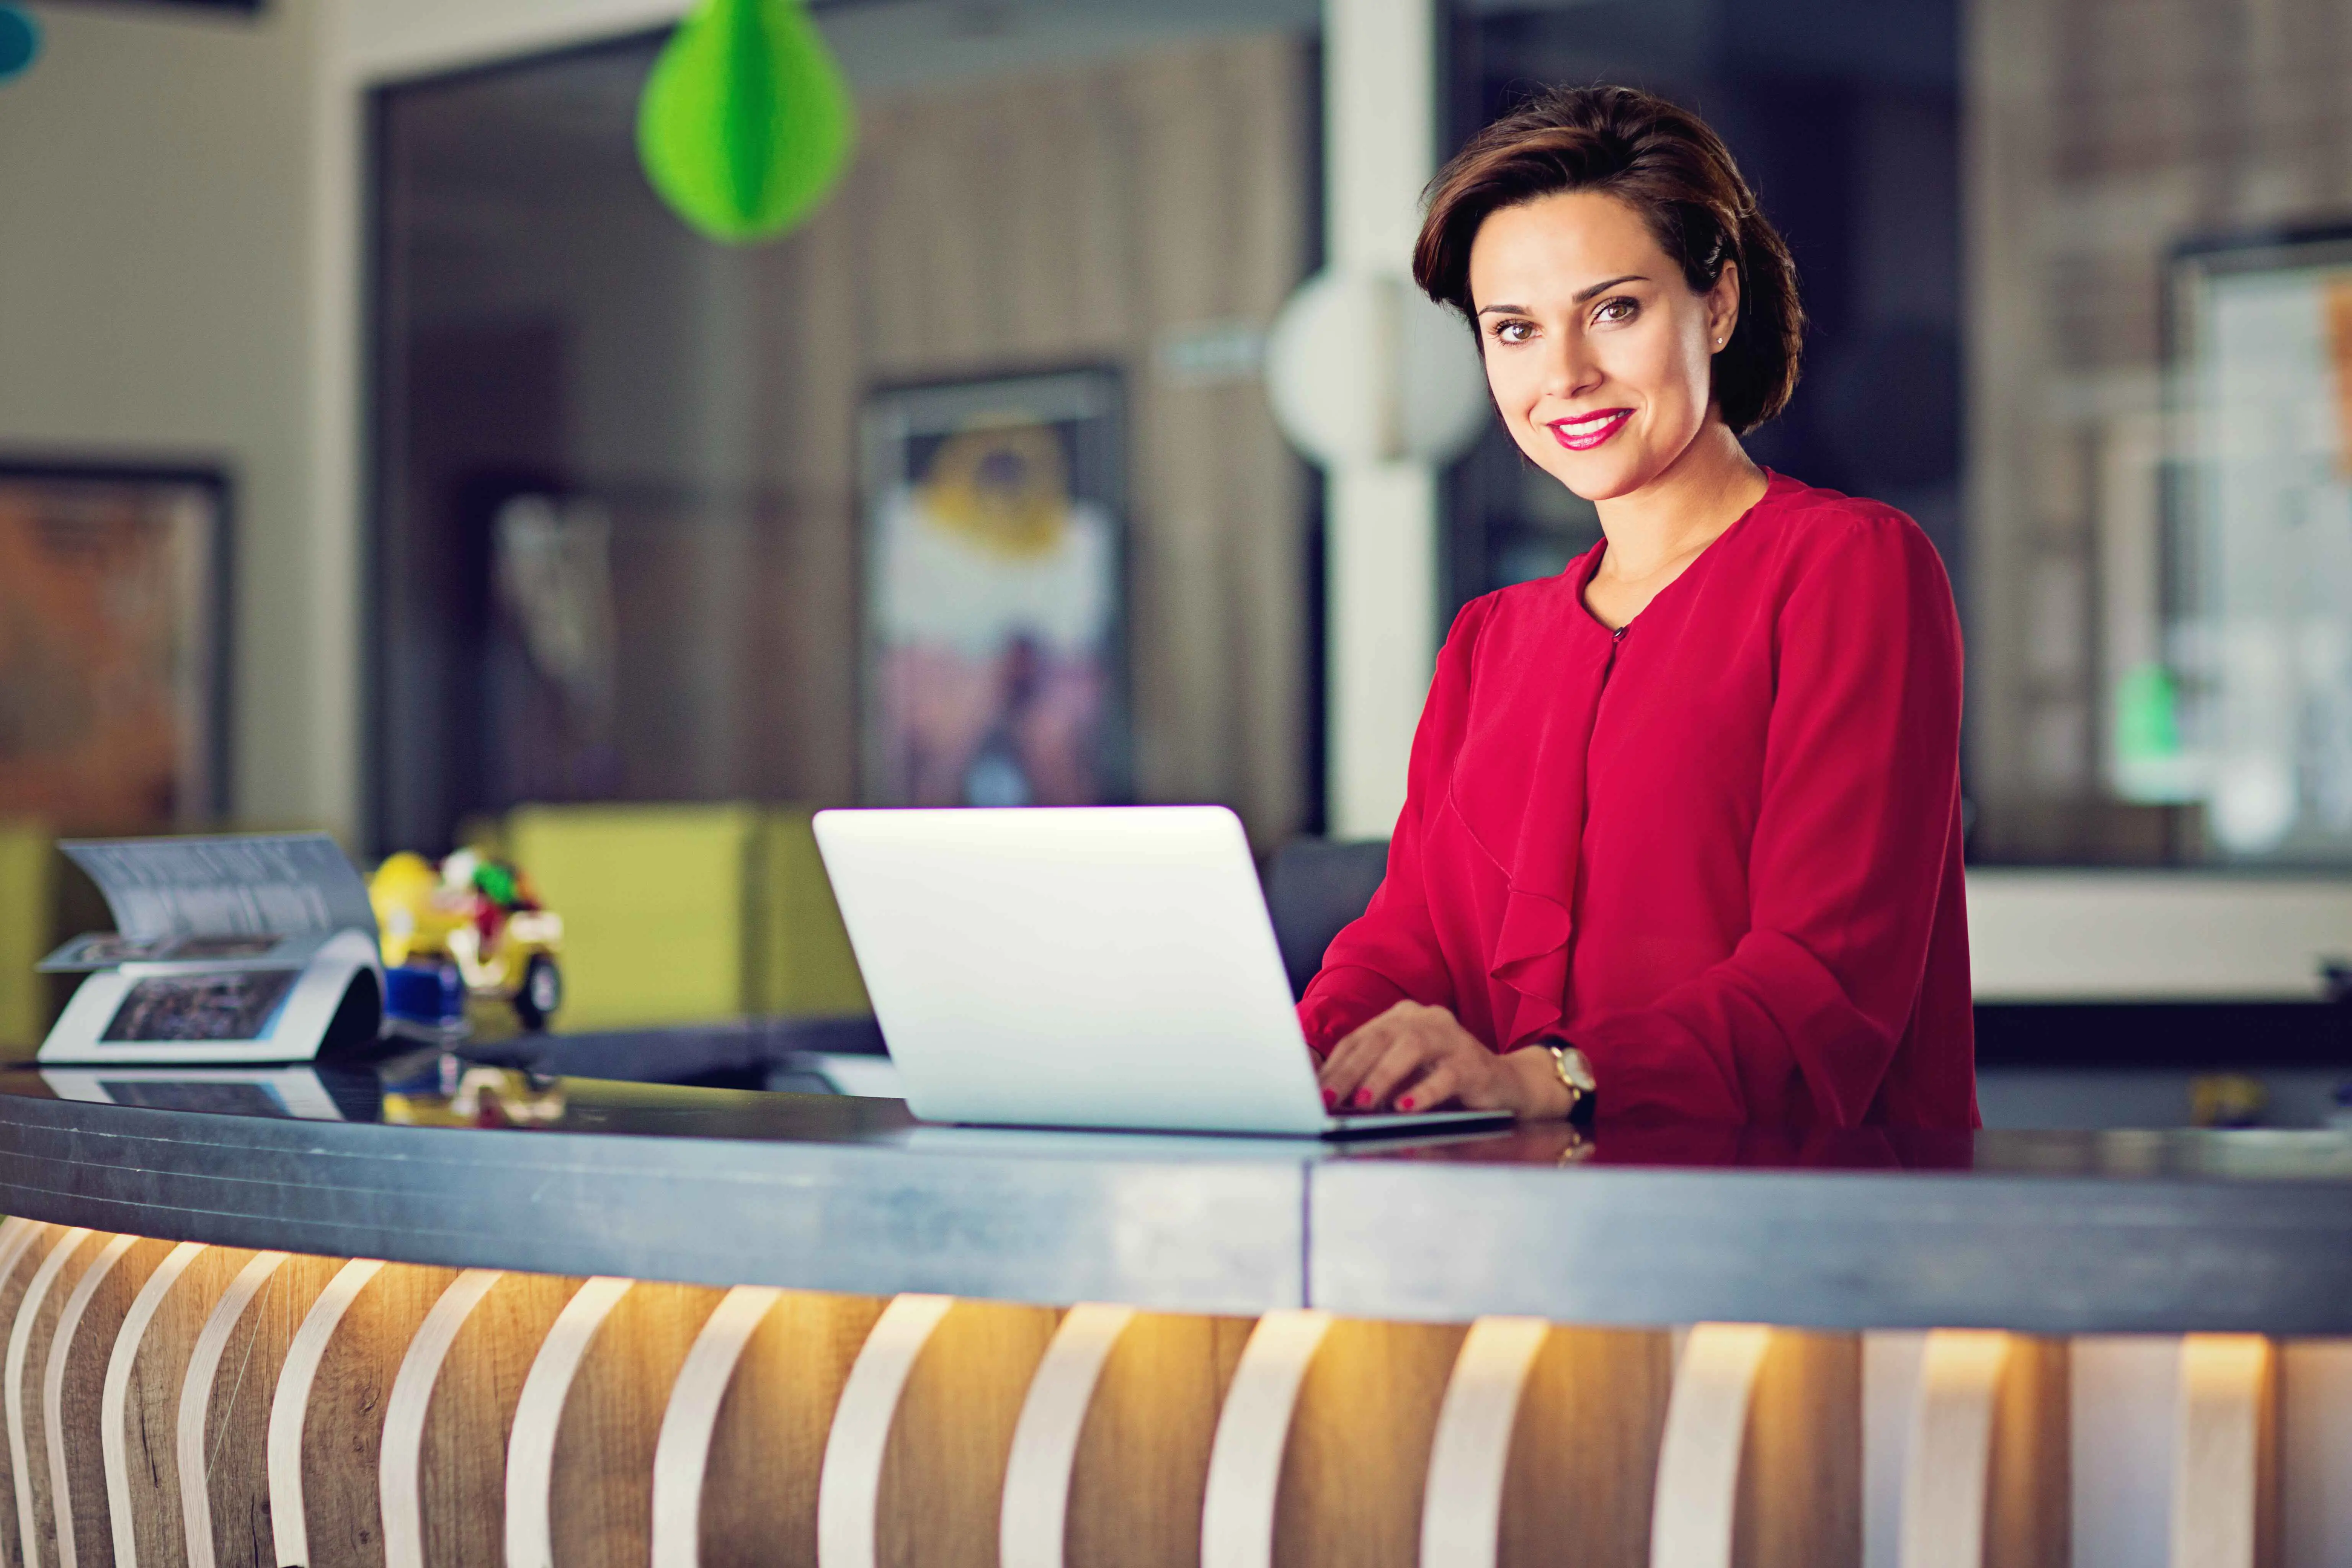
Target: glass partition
x,y
2078,274
2155,413
630,540
2244,710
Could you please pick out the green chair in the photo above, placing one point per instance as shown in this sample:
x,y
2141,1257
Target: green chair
x,y
657,903
28,916
686,914
805,967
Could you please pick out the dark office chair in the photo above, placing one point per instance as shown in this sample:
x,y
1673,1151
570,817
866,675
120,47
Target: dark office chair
x,y
1314,887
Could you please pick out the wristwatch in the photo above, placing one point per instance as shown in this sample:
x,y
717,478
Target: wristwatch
x,y
1575,1074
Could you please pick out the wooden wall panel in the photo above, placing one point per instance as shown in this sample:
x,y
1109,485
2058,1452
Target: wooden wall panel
x,y
1584,1458
1139,1479
222,1426
140,1402
73,1397
24,1247
849,1484
1356,1467
1800,1475
1462,1507
327,1420
16,1235
1033,1518
2225,1472
684,1428
1243,1493
580,1464
1987,1476
1760,1462
2029,1513
1110,1457
451,1415
942,1472
30,1337
742,1460
2314,1450
539,1420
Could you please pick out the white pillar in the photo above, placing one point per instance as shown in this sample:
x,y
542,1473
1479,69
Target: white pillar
x,y
1381,584
336,795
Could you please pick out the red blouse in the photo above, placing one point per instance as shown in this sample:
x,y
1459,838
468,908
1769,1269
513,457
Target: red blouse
x,y
1719,849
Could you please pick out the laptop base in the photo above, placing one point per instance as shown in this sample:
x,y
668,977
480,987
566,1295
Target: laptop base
x,y
1396,1124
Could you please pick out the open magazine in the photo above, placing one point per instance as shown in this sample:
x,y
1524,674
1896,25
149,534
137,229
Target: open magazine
x,y
247,948
226,900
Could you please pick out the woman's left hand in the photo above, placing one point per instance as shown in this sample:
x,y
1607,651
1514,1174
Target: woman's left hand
x,y
1415,1058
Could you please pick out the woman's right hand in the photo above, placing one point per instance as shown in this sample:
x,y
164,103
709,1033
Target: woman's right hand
x,y
1416,1058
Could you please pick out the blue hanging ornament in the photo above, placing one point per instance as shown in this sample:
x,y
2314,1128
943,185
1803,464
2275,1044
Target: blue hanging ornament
x,y
20,41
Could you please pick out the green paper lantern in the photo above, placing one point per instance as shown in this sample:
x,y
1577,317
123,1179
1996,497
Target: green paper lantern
x,y
746,123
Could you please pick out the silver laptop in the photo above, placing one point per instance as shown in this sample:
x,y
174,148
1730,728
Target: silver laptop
x,y
1107,967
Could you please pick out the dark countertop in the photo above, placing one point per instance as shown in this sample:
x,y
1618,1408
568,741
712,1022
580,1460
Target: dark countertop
x,y
2052,1232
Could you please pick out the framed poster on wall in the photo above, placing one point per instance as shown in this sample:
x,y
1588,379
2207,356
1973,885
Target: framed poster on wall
x,y
994,667
113,647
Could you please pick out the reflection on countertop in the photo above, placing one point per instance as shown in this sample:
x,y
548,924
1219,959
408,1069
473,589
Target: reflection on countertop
x,y
449,1094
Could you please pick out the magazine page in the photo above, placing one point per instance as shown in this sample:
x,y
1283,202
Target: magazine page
x,y
250,886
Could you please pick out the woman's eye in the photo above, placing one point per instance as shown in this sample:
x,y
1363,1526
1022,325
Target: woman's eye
x,y
1620,308
1513,331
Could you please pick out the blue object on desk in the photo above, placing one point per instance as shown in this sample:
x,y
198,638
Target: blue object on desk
x,y
20,41
424,992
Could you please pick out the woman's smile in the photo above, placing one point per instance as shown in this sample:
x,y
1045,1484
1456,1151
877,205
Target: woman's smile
x,y
1586,431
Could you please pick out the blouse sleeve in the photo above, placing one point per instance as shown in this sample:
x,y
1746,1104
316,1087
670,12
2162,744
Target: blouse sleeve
x,y
1852,837
1390,953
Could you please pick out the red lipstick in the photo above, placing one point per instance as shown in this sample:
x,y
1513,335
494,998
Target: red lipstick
x,y
1587,431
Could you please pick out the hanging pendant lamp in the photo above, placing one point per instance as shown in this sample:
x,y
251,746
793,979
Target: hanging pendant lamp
x,y
746,123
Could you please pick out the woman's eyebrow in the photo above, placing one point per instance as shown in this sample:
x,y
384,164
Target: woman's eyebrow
x,y
1581,295
1578,297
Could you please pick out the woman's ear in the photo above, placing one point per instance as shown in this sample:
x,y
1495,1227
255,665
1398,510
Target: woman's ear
x,y
1723,307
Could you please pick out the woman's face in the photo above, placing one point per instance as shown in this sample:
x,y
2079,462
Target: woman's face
x,y
1597,353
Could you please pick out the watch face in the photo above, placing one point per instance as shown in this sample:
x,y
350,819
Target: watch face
x,y
1576,1069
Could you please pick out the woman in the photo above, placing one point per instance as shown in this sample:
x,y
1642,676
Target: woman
x,y
1682,833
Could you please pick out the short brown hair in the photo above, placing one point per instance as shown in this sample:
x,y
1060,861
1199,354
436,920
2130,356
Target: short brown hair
x,y
1671,168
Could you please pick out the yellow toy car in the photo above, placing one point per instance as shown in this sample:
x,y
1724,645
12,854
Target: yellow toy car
x,y
473,916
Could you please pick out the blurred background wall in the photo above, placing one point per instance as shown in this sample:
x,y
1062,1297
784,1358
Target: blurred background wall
x,y
1986,198
2103,136
161,294
389,271
549,326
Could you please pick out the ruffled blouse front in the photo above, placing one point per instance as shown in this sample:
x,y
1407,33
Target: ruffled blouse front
x,y
1719,850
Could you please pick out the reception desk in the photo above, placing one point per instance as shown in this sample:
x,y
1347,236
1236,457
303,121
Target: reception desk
x,y
617,1324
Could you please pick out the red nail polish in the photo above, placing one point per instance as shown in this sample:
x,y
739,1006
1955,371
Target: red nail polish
x,y
1330,1100
1363,1098
1405,1104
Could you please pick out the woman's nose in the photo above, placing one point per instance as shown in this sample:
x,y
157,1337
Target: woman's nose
x,y
1569,369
